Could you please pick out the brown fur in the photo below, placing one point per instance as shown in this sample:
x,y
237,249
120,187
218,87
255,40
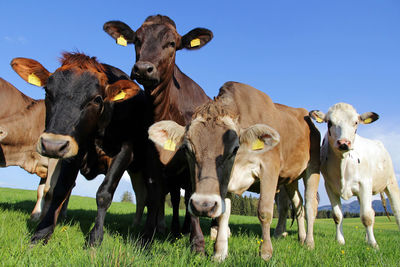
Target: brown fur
x,y
79,63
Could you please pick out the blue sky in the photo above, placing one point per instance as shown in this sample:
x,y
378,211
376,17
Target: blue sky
x,y
309,54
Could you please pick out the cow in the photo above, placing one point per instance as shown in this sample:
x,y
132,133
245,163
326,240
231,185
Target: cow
x,y
21,123
87,103
355,166
173,96
239,138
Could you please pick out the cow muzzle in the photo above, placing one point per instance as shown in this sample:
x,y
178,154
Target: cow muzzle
x,y
57,145
145,73
206,205
344,145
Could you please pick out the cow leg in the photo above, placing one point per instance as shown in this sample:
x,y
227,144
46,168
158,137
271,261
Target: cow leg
x,y
297,202
268,184
393,193
336,213
175,199
140,190
186,223
311,182
196,235
64,208
367,214
62,188
53,173
106,191
37,210
221,243
282,202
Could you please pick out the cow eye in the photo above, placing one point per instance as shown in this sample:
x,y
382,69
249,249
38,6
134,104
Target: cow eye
x,y
235,150
172,44
329,124
98,100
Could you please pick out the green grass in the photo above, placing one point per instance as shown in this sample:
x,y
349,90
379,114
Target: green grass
x,y
67,246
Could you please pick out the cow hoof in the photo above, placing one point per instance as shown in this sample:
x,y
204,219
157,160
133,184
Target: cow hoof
x,y
198,245
35,217
95,239
266,256
375,246
281,235
341,241
213,232
219,257
310,244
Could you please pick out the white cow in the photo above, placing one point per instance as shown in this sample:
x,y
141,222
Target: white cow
x,y
355,166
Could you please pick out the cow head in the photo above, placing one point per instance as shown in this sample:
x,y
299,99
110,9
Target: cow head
x,y
213,142
79,100
156,43
343,121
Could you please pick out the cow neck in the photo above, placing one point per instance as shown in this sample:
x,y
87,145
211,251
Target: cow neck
x,y
164,106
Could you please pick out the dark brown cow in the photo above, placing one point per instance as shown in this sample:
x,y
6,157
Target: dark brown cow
x,y
239,138
87,104
174,96
21,123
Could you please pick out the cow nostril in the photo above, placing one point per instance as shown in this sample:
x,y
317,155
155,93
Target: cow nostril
x,y
64,146
150,69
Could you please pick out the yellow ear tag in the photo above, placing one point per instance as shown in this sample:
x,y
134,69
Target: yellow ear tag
x,y
122,41
33,79
119,96
318,119
169,145
195,42
257,145
368,120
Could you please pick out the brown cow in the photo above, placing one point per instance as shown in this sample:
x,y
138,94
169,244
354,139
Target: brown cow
x,y
237,139
173,95
21,123
85,106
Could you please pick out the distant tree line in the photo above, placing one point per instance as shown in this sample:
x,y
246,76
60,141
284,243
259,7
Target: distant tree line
x,y
248,206
328,214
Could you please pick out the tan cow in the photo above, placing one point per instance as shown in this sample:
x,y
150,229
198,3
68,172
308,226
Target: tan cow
x,y
239,138
21,123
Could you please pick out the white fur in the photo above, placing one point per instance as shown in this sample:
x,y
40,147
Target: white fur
x,y
211,198
364,170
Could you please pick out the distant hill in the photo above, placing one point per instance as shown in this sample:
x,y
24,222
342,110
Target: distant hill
x,y
354,206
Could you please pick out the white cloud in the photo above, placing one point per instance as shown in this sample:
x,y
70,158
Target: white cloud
x,y
15,39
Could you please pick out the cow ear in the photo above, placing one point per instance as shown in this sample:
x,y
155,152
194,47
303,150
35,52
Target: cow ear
x,y
196,38
121,90
317,115
259,138
368,117
122,33
167,134
31,71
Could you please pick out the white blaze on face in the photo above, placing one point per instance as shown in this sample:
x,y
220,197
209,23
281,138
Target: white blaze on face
x,y
342,125
245,170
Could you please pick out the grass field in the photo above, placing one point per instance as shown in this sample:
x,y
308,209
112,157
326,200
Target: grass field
x,y
67,245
